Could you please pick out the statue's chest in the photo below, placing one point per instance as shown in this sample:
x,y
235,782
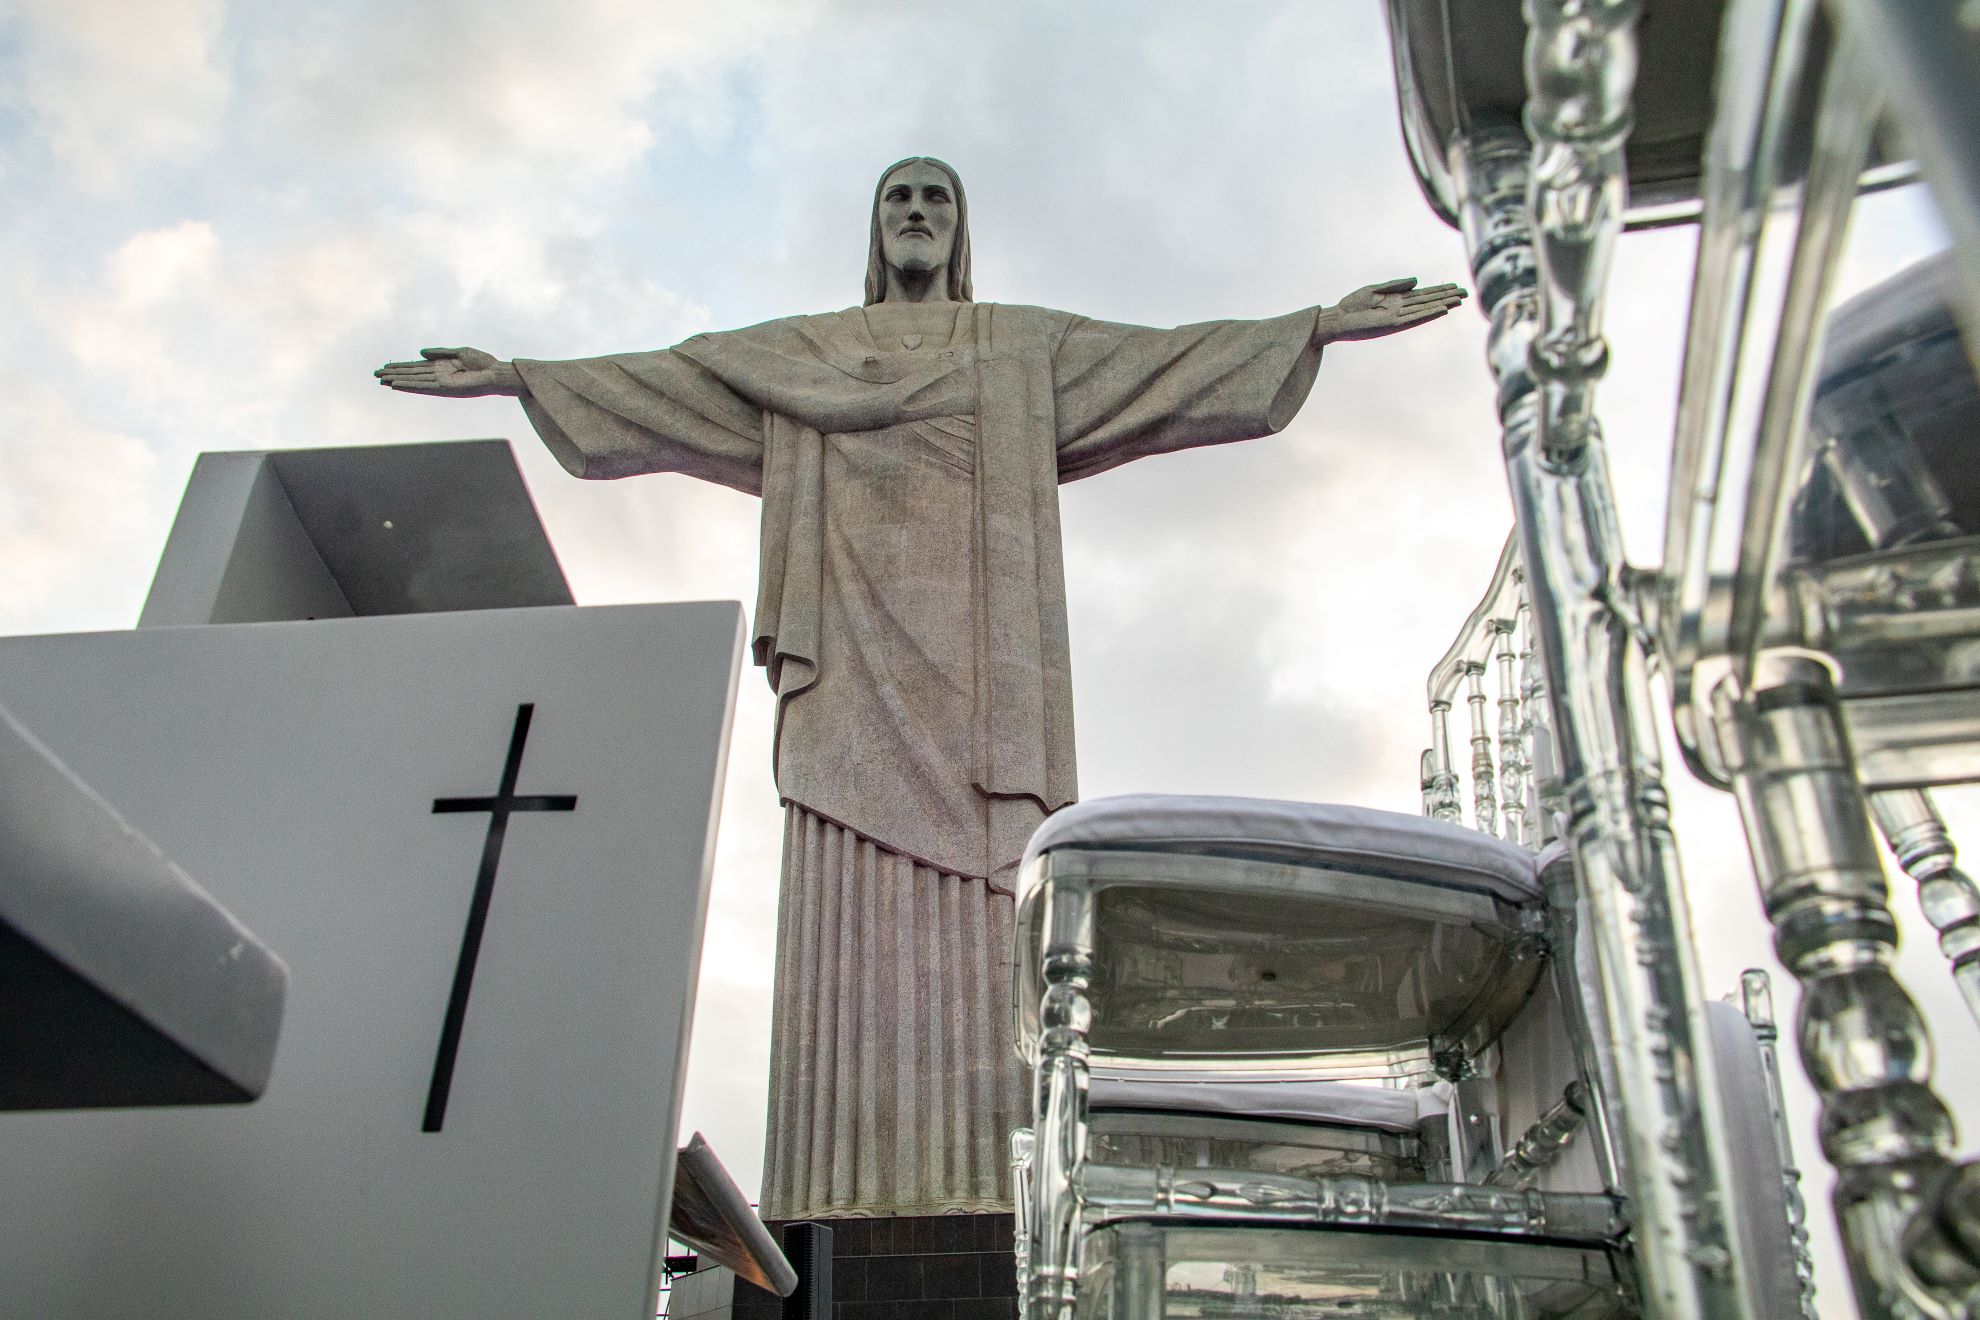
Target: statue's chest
x,y
914,328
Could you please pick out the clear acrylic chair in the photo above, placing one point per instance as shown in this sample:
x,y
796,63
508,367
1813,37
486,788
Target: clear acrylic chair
x,y
1821,621
1805,675
1199,983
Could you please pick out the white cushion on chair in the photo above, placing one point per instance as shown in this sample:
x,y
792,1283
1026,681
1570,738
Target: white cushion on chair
x,y
1764,1238
1381,1107
1360,839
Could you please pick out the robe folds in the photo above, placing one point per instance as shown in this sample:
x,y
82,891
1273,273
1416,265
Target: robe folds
x,y
911,618
911,609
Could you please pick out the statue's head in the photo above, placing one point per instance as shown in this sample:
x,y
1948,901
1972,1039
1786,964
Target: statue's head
x,y
920,224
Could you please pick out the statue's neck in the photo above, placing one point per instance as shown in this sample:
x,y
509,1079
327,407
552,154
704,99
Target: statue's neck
x,y
926,286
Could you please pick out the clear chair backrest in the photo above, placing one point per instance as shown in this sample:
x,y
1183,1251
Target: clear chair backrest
x,y
1260,966
1492,670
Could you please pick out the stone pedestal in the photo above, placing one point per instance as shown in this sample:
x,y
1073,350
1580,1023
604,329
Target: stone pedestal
x,y
938,1267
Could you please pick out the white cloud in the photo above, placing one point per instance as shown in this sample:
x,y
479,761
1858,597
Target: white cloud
x,y
74,498
457,100
153,266
114,84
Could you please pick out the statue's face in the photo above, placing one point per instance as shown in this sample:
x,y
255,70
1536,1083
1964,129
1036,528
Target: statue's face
x,y
917,219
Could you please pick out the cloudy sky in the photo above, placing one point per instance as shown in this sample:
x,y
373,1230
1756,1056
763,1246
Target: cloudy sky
x,y
221,217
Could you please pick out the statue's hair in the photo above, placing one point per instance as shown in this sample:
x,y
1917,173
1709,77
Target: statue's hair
x,y
960,288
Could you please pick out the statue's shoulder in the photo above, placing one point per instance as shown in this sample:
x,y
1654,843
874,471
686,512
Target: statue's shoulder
x,y
1024,316
827,335
775,328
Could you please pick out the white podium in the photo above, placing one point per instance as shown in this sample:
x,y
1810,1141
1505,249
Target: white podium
x,y
481,839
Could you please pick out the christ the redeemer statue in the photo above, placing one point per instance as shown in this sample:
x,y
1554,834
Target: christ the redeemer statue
x,y
911,618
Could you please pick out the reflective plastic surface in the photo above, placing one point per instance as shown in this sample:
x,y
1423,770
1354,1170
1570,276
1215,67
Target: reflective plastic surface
x,y
1458,66
1144,1270
1896,413
1195,1141
1819,612
1825,491
1375,990
1820,503
1492,660
1273,968
1540,218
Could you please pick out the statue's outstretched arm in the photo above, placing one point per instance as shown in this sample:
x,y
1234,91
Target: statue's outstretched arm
x,y
1383,309
1126,392
452,373
614,416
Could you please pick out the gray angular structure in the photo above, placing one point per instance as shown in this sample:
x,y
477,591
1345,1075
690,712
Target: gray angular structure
x,y
122,982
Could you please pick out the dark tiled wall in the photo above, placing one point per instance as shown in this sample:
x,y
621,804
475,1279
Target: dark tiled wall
x,y
942,1267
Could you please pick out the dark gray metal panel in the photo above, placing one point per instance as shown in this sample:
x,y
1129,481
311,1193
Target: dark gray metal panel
x,y
122,982
809,1249
413,529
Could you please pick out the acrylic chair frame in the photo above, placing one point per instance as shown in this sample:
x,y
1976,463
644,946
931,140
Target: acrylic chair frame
x,y
1068,1194
1130,1276
1518,929
1541,216
1759,652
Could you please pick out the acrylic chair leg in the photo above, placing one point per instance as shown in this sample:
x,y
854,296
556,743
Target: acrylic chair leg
x,y
1756,1001
1917,836
1863,1042
1060,1101
1668,1120
1141,1273
1942,1245
1597,1069
1504,1301
1021,1156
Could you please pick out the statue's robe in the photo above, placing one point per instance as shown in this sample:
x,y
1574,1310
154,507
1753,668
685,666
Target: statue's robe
x,y
911,618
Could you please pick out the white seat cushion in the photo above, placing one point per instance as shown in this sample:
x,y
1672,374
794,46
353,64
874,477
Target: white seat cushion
x,y
1764,1236
1360,839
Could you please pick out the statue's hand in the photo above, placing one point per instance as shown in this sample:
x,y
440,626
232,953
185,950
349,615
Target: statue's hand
x,y
1383,309
452,373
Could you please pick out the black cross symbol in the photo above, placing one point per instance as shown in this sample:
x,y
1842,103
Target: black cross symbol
x,y
498,808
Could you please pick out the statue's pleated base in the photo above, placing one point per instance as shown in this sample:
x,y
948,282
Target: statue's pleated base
x,y
893,1087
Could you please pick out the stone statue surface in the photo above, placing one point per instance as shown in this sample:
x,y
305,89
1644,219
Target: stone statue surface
x,y
911,618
